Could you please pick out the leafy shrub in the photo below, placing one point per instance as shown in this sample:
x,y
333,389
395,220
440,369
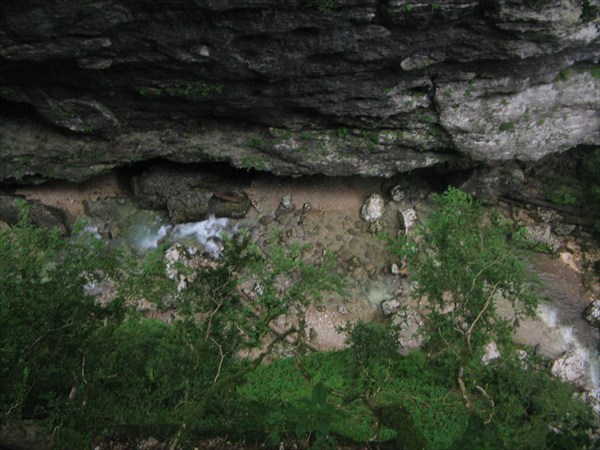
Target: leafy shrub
x,y
88,370
91,372
460,260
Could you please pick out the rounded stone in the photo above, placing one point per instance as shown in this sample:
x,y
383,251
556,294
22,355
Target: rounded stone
x,y
373,208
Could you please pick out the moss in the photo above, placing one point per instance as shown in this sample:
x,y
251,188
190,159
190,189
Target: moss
x,y
564,75
191,88
507,126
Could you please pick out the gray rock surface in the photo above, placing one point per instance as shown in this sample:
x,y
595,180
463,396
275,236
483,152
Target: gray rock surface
x,y
40,214
390,306
191,193
407,219
490,353
373,208
410,326
571,366
286,206
592,313
542,235
364,87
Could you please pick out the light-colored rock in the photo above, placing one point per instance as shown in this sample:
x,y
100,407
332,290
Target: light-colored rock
x,y
490,353
286,206
102,288
408,219
390,306
592,399
569,260
343,309
529,124
174,255
571,366
410,325
547,215
397,193
373,208
592,313
542,234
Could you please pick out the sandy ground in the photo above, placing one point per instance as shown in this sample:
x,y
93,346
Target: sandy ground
x,y
323,193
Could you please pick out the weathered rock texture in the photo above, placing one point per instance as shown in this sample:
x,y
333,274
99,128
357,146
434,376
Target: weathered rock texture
x,y
191,193
368,87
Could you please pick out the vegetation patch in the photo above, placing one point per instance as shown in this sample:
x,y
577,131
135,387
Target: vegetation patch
x,y
94,372
507,126
187,89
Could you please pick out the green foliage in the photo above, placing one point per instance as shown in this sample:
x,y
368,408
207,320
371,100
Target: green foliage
x,y
507,126
479,436
406,7
187,89
90,371
596,73
531,406
564,75
324,6
562,195
578,187
48,327
83,368
590,180
461,259
253,162
342,133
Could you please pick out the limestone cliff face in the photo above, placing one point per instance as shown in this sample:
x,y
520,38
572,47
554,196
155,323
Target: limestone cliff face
x,y
370,87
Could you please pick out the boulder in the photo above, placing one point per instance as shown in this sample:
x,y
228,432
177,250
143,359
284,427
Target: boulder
x,y
398,193
373,208
592,313
390,306
153,188
542,235
495,181
407,219
190,206
490,353
410,326
191,193
286,206
40,214
571,366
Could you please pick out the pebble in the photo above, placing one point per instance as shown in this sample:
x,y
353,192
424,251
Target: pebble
x,y
343,309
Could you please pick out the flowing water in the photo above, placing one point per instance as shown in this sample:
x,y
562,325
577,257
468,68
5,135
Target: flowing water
x,y
559,326
143,230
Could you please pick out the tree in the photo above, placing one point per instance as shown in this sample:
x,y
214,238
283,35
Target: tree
x,y
86,369
460,261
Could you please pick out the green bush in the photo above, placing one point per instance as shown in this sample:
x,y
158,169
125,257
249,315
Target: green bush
x,y
92,372
87,370
460,260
